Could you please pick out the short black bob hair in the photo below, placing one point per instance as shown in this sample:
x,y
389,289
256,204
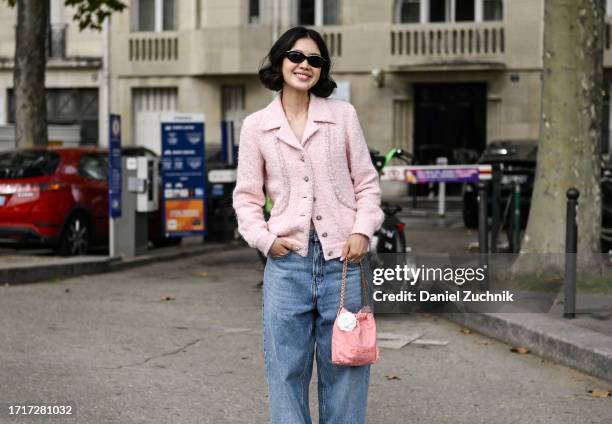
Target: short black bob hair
x,y
271,75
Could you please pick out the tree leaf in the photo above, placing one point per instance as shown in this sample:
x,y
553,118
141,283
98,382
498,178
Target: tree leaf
x,y
600,393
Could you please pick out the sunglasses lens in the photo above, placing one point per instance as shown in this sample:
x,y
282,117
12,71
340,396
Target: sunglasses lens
x,y
296,57
315,61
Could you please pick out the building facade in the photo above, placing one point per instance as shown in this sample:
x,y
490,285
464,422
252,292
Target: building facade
x,y
74,78
432,76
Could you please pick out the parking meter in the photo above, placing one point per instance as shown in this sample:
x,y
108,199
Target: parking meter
x,y
139,196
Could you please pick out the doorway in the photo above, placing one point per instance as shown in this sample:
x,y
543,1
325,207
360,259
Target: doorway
x,y
448,117
449,121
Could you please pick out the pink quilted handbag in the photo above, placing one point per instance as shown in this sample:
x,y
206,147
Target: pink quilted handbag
x,y
354,335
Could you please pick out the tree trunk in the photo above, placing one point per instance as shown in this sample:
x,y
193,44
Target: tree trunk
x,y
29,76
570,134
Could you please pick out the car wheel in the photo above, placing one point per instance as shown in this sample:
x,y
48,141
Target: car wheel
x,y
75,238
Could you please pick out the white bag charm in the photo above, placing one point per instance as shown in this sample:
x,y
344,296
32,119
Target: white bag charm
x,y
347,321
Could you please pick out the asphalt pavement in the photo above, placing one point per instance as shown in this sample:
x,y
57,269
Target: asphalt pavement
x,y
180,342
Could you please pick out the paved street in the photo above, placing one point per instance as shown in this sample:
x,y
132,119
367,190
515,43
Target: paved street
x,y
180,342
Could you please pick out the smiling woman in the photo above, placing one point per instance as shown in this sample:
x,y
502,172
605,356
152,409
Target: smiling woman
x,y
280,71
310,154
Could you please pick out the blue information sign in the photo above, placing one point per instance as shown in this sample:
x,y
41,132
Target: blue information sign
x,y
114,166
183,177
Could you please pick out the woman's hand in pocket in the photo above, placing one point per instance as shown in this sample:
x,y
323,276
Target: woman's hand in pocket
x,y
355,248
280,248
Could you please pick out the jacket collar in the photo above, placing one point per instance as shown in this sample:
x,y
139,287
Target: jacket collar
x,y
274,117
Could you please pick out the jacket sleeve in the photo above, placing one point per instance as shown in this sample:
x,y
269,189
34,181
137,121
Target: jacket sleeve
x,y
248,196
369,216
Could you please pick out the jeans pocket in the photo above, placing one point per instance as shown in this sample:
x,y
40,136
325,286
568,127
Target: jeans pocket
x,y
280,258
356,264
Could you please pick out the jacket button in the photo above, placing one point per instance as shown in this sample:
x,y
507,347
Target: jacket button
x,y
324,235
306,178
330,253
314,199
318,217
302,158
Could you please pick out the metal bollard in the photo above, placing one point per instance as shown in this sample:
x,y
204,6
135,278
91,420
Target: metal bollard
x,y
441,189
483,229
516,234
571,248
495,225
483,239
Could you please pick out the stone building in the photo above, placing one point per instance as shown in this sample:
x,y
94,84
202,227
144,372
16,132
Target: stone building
x,y
428,75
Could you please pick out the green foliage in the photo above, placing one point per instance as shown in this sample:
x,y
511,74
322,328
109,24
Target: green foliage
x,y
90,13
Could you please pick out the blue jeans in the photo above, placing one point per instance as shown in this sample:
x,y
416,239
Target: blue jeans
x,y
301,297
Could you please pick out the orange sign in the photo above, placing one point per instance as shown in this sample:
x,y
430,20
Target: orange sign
x,y
184,215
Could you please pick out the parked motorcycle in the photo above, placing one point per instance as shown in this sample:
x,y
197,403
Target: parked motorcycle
x,y
388,248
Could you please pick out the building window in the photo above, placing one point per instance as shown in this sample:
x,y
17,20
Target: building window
x,y
464,10
146,15
493,10
154,15
407,11
439,10
412,11
319,12
307,12
232,100
198,14
254,11
169,15
331,12
69,106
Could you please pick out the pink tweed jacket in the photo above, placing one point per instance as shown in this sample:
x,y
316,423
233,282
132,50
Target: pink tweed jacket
x,y
326,178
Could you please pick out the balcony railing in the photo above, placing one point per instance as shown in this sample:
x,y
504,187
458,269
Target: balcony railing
x,y
354,48
448,40
332,35
153,47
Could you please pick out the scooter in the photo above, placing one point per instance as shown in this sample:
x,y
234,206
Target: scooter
x,y
388,248
390,238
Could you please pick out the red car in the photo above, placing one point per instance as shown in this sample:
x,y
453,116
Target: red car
x,y
57,198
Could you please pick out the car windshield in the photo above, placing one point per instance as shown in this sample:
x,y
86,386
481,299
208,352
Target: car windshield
x,y
27,164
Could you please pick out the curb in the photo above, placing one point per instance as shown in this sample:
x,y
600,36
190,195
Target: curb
x,y
563,343
123,264
24,274
47,272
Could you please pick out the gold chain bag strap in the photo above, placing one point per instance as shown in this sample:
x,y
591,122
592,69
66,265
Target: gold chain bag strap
x,y
354,334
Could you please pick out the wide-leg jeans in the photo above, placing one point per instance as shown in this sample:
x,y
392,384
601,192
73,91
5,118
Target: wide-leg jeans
x,y
301,296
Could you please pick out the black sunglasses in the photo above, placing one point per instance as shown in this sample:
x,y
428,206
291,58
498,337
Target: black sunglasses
x,y
314,60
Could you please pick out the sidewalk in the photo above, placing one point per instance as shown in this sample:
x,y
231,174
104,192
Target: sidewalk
x,y
584,343
22,268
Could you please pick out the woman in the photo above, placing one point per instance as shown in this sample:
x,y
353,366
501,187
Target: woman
x,y
310,154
